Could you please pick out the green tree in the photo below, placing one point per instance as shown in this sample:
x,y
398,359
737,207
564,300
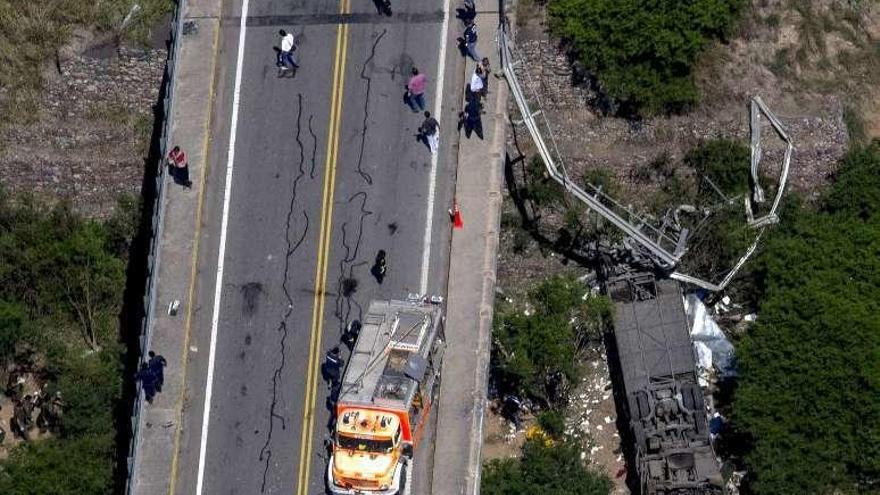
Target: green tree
x,y
808,399
536,355
61,282
643,52
11,319
82,466
723,161
551,469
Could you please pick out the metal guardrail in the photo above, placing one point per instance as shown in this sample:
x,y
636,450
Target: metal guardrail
x,y
146,329
663,246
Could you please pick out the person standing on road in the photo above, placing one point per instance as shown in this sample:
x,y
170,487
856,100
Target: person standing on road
x,y
179,167
470,40
415,88
332,368
287,46
430,131
157,366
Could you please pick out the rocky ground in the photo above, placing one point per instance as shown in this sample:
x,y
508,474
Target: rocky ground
x,y
88,141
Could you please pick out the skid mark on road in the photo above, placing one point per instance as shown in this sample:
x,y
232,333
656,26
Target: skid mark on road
x,y
369,83
314,148
347,265
293,244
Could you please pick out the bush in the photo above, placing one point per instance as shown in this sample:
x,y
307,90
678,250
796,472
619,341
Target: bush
x,y
809,394
82,466
536,355
555,469
552,422
725,162
643,52
11,319
540,188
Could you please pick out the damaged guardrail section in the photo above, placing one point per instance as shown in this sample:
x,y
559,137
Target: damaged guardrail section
x,y
665,245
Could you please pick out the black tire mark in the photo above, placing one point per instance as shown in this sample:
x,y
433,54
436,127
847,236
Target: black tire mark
x,y
314,147
347,265
369,81
282,329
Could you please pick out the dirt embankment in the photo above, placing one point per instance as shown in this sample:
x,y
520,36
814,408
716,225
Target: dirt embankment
x,y
88,140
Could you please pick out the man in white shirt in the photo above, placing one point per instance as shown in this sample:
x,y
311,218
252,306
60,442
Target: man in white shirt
x,y
476,85
286,58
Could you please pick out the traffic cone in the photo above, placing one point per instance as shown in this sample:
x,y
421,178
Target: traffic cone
x,y
455,216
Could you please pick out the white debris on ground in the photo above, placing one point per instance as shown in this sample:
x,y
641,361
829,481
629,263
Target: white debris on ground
x,y
592,412
713,351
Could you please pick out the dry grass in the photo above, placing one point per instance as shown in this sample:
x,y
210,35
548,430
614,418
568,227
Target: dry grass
x,y
32,31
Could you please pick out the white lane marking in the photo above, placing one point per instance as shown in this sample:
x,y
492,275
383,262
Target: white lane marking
x,y
432,181
218,288
407,489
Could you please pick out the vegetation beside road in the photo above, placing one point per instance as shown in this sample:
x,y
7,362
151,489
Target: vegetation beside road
x,y
61,289
642,53
808,397
536,355
548,467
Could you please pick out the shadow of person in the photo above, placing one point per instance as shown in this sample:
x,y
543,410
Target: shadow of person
x,y
383,7
465,14
462,47
284,70
422,138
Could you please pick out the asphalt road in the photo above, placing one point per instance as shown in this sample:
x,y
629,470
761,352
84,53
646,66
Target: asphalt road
x,y
326,172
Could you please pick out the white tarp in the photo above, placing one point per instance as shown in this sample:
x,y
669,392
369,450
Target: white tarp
x,y
711,346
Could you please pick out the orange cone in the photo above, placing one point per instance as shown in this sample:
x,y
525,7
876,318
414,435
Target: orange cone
x,y
455,216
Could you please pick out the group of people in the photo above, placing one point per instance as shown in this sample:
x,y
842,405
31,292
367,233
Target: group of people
x,y
152,375
470,118
39,410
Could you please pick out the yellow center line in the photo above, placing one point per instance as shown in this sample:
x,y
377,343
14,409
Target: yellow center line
x,y
323,254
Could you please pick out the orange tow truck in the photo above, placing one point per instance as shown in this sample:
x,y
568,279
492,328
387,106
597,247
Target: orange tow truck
x,y
390,382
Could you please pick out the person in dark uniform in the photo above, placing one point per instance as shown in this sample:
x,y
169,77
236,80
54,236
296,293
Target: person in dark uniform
x,y
157,365
148,381
331,370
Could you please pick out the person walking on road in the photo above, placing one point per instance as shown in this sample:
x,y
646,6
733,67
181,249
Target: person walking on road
x,y
430,132
415,89
179,167
286,58
148,381
157,366
469,39
487,69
